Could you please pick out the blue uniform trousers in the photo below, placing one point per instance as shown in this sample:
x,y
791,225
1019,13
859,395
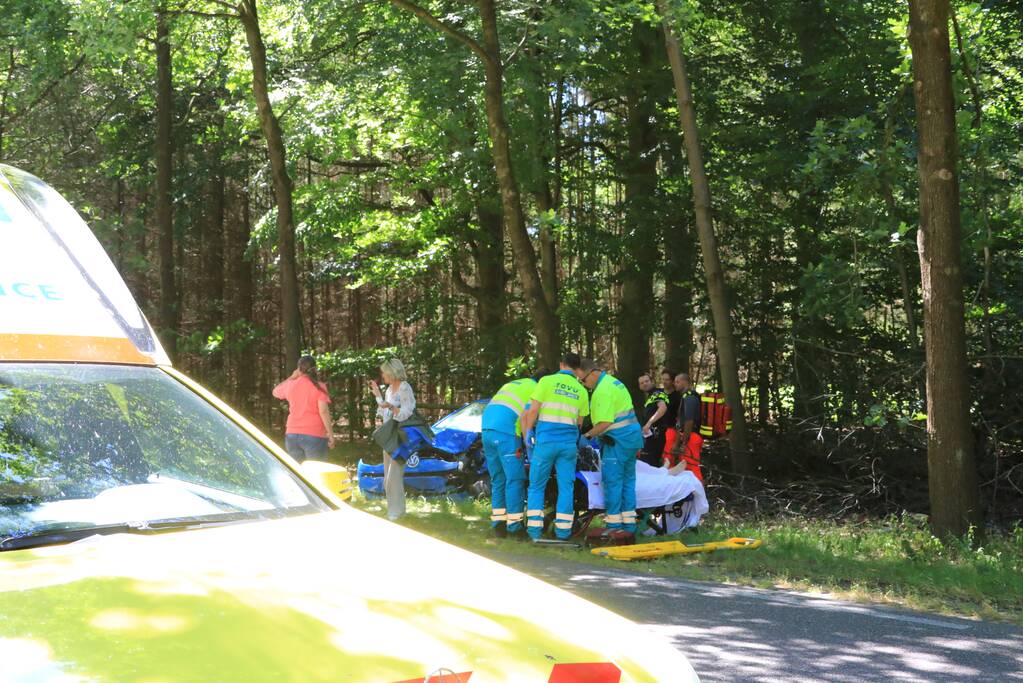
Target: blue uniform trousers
x,y
560,456
507,478
618,478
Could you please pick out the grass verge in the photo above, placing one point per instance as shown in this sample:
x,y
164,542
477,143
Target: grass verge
x,y
892,561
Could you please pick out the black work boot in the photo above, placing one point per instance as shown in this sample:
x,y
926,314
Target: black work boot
x,y
501,530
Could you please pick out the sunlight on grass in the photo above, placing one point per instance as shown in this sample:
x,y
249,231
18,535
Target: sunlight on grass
x,y
894,560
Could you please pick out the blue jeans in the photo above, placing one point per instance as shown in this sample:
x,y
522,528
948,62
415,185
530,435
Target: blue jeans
x,y
305,447
507,478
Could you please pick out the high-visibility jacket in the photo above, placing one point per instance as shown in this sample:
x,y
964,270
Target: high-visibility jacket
x,y
563,400
612,402
653,397
504,412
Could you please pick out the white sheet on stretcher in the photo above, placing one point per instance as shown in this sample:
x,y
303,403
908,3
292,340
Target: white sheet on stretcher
x,y
656,488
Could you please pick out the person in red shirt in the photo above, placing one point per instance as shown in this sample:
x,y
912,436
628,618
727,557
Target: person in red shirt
x,y
308,434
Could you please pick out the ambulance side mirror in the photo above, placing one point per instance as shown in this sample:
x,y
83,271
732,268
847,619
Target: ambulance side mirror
x,y
330,477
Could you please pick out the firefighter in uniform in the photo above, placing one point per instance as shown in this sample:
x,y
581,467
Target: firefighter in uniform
x,y
556,410
502,447
614,422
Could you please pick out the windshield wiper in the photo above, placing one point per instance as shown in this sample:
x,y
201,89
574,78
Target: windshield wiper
x,y
56,536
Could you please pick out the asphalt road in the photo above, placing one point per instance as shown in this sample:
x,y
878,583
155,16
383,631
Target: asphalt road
x,y
734,633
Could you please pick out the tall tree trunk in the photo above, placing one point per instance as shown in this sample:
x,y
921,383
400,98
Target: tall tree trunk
x,y
282,184
240,276
169,319
546,326
726,347
908,292
637,306
491,304
212,260
677,235
952,475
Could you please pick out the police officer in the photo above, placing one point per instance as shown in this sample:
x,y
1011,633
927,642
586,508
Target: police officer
x,y
614,421
655,417
502,447
556,410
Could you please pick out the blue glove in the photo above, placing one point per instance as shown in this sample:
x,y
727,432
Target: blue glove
x,y
528,441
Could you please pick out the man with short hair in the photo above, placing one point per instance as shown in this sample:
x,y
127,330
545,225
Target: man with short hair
x,y
655,408
503,450
556,411
614,422
668,384
686,442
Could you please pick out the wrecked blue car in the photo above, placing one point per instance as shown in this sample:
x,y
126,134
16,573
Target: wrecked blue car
x,y
452,465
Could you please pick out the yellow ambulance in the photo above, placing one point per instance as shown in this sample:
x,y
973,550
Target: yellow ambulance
x,y
149,533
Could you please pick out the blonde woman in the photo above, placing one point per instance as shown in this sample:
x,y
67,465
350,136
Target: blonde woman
x,y
402,433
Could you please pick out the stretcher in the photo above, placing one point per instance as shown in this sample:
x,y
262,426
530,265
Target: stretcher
x,y
650,551
669,503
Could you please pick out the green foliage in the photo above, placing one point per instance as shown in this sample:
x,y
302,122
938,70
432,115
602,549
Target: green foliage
x,y
807,121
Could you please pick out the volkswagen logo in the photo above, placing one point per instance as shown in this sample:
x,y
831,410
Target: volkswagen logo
x,y
413,460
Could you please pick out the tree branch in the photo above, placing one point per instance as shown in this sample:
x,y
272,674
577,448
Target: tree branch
x,y
47,90
460,284
967,71
515,52
197,13
446,29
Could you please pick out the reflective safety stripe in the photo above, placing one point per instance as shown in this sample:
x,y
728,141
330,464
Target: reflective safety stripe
x,y
535,513
613,519
629,516
497,518
499,511
509,401
559,419
563,525
565,515
623,424
535,522
515,516
706,430
566,407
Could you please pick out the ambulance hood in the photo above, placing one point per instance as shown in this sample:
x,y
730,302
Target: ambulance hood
x,y
335,596
61,298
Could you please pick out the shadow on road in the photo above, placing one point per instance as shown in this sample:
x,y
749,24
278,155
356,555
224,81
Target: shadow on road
x,y
734,633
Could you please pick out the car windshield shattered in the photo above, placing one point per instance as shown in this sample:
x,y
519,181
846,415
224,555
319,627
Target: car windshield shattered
x,y
467,419
95,446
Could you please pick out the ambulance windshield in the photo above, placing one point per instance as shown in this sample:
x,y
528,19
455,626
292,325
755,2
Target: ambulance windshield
x,y
89,445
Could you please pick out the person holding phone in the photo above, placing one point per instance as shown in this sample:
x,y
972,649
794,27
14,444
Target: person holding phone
x,y
309,433
402,433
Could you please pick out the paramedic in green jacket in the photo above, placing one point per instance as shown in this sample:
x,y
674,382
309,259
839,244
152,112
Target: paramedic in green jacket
x,y
503,449
556,410
615,424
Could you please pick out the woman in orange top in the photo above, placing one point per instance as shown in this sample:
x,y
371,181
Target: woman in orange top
x,y
308,434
